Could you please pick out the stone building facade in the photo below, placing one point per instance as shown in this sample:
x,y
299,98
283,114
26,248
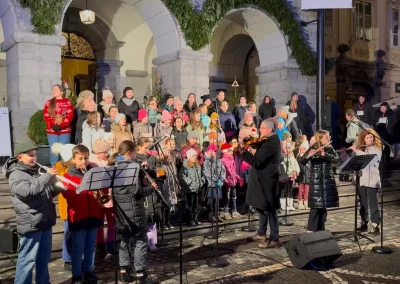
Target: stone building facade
x,y
32,61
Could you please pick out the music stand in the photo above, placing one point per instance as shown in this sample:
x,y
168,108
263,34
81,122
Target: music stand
x,y
99,178
356,164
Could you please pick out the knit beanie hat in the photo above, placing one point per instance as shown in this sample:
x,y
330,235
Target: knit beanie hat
x,y
304,145
165,115
167,97
214,115
205,97
142,114
127,89
119,117
64,150
213,134
107,94
226,147
212,147
192,134
286,135
101,146
280,119
190,153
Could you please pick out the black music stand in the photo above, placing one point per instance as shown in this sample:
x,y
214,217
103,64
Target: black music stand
x,y
356,164
99,178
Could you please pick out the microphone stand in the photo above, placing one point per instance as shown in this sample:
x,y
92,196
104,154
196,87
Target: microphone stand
x,y
379,249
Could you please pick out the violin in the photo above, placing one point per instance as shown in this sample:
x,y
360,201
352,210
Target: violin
x,y
254,141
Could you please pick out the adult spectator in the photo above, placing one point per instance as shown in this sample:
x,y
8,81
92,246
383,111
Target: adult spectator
x,y
266,109
310,117
240,109
86,105
129,106
58,114
220,98
300,116
364,110
385,122
332,115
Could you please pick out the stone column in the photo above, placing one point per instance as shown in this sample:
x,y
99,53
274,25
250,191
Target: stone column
x,y
33,66
185,71
109,74
3,83
280,80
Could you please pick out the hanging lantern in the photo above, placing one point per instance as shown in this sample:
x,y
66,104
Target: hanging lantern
x,y
87,16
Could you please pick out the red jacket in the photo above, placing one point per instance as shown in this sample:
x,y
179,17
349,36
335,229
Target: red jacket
x,y
63,115
84,212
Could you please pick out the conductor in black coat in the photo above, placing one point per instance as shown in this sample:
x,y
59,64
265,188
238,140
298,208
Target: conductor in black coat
x,y
262,192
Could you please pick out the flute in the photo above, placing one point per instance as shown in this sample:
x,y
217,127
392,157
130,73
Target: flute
x,y
322,147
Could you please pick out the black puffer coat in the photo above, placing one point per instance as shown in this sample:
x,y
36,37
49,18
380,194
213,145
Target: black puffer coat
x,y
305,172
129,205
323,192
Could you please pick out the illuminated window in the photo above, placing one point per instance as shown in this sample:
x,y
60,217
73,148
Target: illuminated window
x,y
363,21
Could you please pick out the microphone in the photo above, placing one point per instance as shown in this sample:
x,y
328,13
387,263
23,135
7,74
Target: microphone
x,y
150,147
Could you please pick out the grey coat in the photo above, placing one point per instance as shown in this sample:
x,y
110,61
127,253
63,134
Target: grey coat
x,y
32,196
190,178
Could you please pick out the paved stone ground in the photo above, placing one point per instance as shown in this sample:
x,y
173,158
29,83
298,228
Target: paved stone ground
x,y
249,264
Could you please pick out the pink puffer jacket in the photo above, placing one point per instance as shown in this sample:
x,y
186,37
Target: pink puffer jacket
x,y
232,177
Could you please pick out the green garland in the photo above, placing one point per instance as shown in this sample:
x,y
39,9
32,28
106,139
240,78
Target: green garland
x,y
198,27
45,14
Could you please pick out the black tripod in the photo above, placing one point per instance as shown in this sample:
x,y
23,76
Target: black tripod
x,y
356,164
379,249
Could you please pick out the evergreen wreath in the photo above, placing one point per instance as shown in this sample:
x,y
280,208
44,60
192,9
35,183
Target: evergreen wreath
x,y
198,27
45,14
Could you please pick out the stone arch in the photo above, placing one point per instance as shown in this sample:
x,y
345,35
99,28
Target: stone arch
x,y
159,19
99,35
8,17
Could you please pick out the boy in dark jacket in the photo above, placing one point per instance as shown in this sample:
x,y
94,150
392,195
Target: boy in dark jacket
x,y
130,217
32,196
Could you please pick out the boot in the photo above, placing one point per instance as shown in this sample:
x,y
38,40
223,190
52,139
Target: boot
x,y
290,205
283,204
363,227
301,205
306,205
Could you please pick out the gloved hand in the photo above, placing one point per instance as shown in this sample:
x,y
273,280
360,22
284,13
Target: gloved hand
x,y
219,183
56,128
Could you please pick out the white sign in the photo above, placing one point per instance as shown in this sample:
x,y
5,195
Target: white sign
x,y
326,4
5,138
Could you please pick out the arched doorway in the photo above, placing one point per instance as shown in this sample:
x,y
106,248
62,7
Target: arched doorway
x,y
238,60
248,42
77,63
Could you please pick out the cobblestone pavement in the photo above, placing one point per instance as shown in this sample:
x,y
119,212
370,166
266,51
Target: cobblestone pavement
x,y
249,264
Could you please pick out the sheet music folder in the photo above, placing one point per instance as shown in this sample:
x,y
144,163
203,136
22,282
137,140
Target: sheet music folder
x,y
355,163
109,177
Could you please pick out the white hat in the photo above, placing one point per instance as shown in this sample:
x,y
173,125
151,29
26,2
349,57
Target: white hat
x,y
304,145
107,94
64,150
190,153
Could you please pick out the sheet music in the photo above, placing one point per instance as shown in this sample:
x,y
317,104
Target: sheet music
x,y
109,177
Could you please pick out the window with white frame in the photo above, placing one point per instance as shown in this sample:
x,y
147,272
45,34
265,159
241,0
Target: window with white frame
x,y
395,27
363,21
329,22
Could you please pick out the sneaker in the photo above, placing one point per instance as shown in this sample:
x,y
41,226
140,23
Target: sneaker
x,y
68,266
126,276
197,222
76,280
363,228
212,219
227,216
236,215
90,277
374,231
253,211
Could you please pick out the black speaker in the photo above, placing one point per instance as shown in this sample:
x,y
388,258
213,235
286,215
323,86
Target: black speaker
x,y
9,240
309,247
